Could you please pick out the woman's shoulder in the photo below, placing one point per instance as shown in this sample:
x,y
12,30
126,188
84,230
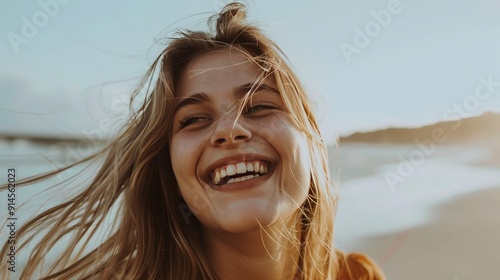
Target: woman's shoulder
x,y
356,266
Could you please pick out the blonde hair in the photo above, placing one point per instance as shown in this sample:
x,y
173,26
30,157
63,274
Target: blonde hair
x,y
137,176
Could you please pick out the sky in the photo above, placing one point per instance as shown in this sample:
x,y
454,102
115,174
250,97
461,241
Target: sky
x,y
67,67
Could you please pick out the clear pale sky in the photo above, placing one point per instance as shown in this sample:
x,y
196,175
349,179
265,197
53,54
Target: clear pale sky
x,y
67,69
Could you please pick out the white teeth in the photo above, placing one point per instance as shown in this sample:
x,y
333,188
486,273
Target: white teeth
x,y
250,167
256,166
231,170
241,168
217,177
244,178
232,180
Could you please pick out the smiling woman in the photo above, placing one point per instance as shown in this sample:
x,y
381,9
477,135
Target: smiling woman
x,y
213,143
227,132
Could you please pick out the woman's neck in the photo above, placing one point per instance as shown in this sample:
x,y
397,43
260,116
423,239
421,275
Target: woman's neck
x,y
260,254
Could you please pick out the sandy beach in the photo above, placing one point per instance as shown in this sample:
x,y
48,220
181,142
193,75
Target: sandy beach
x,y
443,222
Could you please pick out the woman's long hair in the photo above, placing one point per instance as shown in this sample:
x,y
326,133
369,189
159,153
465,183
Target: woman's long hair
x,y
152,237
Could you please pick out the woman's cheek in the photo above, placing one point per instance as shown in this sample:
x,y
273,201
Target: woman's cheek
x,y
272,128
185,147
186,152
181,155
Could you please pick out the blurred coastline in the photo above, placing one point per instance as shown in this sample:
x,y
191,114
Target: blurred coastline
x,y
479,130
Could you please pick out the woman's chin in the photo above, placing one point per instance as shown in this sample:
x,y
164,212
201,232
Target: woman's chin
x,y
246,219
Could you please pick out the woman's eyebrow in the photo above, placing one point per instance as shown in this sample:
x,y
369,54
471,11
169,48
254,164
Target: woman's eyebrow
x,y
240,91
196,98
245,88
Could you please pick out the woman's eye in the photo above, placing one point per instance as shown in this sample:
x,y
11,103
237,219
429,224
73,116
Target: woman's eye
x,y
191,120
259,107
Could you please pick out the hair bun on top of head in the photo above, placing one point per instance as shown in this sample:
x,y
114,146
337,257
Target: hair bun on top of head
x,y
232,29
232,15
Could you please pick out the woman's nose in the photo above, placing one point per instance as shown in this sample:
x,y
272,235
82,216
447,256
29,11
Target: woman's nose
x,y
230,130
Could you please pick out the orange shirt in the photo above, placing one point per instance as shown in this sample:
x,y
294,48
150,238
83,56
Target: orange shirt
x,y
357,266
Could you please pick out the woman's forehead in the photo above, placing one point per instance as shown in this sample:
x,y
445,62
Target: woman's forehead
x,y
220,70
227,59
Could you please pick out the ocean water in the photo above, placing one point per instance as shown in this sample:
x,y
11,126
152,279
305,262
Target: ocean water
x,y
439,219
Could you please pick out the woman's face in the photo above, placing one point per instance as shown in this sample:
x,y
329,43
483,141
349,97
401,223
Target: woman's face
x,y
235,173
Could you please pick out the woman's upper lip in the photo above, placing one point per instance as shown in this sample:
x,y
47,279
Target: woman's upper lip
x,y
232,160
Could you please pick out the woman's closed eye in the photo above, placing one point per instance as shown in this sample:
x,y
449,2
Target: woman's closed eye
x,y
192,120
255,108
